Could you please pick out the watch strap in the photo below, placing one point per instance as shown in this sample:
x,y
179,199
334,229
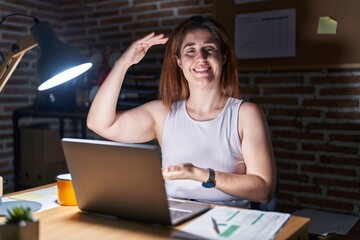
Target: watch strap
x,y
210,183
211,175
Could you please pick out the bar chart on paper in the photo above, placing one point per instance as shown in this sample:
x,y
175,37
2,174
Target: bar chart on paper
x,y
234,223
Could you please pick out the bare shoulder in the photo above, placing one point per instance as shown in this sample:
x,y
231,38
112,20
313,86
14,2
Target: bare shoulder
x,y
249,110
156,109
251,116
158,112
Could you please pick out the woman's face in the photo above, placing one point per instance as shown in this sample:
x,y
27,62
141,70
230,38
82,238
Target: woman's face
x,y
200,58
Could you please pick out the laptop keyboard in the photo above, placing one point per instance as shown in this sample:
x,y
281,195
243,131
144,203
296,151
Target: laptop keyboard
x,y
174,203
176,211
177,214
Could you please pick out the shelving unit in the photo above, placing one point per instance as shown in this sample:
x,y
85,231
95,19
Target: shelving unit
x,y
138,89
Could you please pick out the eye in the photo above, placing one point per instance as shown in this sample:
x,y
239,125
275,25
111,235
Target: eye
x,y
210,49
190,51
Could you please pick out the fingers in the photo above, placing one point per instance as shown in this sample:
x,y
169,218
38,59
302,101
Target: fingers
x,y
159,39
151,39
139,48
171,172
150,35
179,171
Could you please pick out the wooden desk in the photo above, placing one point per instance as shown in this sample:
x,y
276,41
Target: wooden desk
x,y
70,223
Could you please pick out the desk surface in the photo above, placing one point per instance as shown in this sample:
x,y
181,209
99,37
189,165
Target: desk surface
x,y
71,223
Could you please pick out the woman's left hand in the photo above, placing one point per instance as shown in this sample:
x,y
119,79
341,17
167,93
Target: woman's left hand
x,y
180,171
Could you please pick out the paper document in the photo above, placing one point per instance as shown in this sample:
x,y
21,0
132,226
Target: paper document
x,y
268,34
324,223
234,223
47,197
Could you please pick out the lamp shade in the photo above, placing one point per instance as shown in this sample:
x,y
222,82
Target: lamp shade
x,y
57,62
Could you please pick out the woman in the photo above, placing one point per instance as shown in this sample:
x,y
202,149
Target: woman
x,y
215,146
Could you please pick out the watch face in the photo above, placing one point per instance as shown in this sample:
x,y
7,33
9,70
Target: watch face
x,y
208,184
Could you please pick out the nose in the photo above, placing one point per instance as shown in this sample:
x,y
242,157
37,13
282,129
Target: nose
x,y
203,55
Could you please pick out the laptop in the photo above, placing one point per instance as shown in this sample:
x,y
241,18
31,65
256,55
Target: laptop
x,y
125,181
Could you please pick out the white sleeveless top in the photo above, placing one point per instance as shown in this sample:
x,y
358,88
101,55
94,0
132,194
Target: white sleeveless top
x,y
206,144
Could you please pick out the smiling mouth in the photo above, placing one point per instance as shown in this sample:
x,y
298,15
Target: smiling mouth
x,y
202,69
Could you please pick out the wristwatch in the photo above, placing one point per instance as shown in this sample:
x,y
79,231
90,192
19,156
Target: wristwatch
x,y
210,183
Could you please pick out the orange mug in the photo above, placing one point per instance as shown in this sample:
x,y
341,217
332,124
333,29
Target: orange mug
x,y
65,190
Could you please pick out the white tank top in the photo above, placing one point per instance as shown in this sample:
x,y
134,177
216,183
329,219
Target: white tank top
x,y
207,144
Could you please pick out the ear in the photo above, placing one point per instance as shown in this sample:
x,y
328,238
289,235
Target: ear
x,y
178,60
224,59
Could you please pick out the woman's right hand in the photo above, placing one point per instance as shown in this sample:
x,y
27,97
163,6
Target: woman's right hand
x,y
138,49
123,126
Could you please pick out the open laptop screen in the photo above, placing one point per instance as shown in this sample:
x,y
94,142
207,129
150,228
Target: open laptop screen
x,y
119,179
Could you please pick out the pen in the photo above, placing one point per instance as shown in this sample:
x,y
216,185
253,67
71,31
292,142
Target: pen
x,y
215,225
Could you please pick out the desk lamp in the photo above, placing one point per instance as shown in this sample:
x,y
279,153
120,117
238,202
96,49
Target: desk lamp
x,y
57,62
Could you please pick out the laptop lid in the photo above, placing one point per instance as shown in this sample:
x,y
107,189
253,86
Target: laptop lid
x,y
118,179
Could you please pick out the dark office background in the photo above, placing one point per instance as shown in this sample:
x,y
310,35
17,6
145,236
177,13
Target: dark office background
x,y
314,116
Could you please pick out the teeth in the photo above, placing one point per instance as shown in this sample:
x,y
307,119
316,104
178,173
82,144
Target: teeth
x,y
201,69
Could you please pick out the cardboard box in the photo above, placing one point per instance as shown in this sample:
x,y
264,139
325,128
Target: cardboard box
x,y
42,157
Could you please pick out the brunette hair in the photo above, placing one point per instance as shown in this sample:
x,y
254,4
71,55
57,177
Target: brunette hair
x,y
173,85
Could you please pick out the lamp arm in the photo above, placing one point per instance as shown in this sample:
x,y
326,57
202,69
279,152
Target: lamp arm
x,y
15,54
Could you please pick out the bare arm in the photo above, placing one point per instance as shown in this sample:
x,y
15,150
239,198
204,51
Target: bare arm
x,y
258,183
135,125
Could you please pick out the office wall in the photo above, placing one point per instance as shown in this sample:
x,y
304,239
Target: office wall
x,y
314,120
314,116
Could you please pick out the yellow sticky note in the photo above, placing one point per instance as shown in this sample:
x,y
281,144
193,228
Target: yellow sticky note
x,y
327,25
